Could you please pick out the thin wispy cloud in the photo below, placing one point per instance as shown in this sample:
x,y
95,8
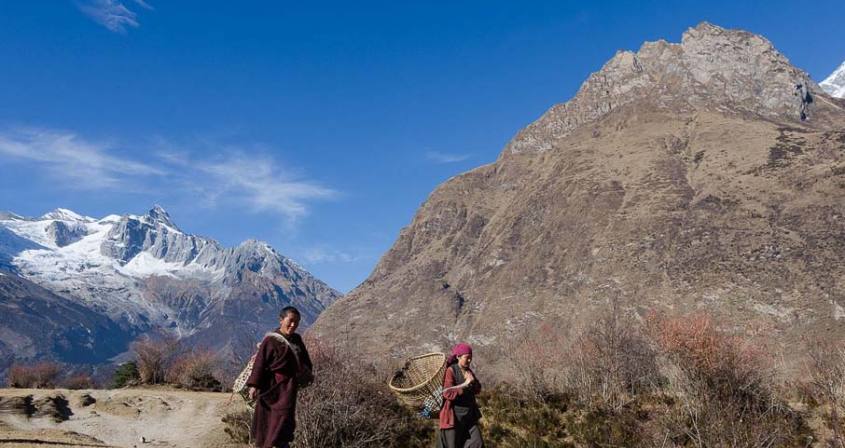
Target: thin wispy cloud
x,y
442,157
81,163
113,14
319,255
256,181
229,178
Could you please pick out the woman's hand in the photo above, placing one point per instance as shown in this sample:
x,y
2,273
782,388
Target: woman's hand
x,y
252,393
468,379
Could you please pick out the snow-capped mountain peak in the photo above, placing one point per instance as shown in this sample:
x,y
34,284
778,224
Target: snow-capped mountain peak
x,y
835,83
10,216
157,214
144,274
63,214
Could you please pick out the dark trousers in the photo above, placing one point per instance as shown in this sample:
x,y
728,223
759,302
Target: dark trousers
x,y
460,437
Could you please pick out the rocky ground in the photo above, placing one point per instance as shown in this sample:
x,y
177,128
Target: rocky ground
x,y
154,417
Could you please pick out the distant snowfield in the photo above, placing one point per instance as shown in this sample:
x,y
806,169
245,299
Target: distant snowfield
x,y
835,83
146,275
81,270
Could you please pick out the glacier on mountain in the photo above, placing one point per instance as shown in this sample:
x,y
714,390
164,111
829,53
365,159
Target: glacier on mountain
x,y
146,274
835,83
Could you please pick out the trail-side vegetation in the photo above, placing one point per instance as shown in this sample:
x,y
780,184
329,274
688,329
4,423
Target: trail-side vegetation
x,y
665,381
662,381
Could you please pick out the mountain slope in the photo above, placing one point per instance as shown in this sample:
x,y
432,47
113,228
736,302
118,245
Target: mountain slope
x,y
143,274
679,178
34,321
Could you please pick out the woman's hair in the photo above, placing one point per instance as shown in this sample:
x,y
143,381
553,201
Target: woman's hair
x,y
288,310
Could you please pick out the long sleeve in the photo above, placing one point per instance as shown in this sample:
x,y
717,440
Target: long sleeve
x,y
449,381
259,365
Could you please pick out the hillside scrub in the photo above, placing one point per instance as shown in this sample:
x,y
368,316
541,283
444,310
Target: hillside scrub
x,y
668,381
125,375
724,386
347,405
41,375
674,381
154,357
195,370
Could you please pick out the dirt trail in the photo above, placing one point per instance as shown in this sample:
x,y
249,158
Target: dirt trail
x,y
155,417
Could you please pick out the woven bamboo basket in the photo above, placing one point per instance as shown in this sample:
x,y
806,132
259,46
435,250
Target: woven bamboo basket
x,y
421,378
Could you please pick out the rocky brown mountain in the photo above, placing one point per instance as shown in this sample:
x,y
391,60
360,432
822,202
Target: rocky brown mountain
x,y
681,177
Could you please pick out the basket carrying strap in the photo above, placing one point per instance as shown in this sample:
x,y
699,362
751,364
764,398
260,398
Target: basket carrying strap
x,y
295,352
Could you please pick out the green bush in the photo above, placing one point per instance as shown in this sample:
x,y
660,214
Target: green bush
x,y
126,375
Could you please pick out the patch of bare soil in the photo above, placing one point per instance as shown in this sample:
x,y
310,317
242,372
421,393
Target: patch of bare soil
x,y
149,417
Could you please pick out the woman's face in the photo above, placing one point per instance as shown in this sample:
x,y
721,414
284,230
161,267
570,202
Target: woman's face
x,y
464,361
289,323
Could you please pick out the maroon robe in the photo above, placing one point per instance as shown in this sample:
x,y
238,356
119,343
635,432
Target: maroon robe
x,y
464,397
273,374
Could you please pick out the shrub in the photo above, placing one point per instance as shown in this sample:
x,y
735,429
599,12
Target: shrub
x,y
126,375
515,417
724,386
537,358
195,370
349,405
40,375
237,425
826,383
79,381
612,361
154,357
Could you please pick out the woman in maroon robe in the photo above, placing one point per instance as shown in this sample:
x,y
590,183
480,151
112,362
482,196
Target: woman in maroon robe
x,y
460,414
273,382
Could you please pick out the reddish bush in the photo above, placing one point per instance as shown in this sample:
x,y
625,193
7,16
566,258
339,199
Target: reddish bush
x,y
725,387
78,381
39,375
195,370
729,366
155,357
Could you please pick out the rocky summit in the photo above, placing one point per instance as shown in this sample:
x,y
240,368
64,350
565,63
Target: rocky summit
x,y
79,289
700,176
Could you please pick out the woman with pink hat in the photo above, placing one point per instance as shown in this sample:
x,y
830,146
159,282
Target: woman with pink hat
x,y
460,414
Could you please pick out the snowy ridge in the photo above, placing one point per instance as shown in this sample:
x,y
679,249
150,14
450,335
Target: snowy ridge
x,y
106,281
835,83
107,264
64,214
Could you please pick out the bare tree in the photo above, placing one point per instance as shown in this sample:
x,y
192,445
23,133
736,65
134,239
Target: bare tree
x,y
154,357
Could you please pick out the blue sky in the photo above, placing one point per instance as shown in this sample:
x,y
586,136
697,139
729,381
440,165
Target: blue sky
x,y
319,127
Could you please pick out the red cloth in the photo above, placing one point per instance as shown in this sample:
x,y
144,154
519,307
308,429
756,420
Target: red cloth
x,y
447,415
459,350
273,374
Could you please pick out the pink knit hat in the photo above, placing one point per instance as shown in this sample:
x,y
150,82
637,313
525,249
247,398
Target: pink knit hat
x,y
459,350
